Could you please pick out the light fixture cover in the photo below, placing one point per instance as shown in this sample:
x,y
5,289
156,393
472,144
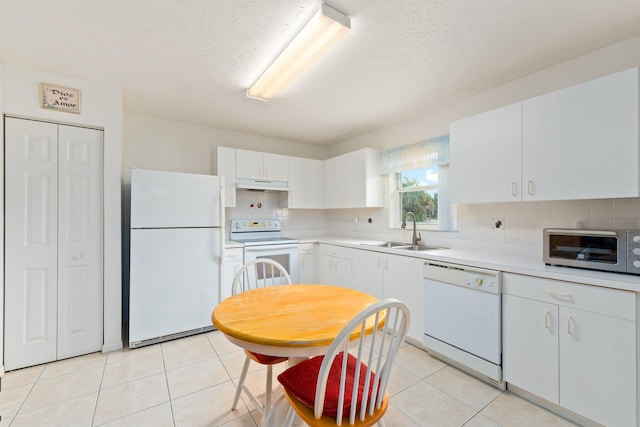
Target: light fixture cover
x,y
324,28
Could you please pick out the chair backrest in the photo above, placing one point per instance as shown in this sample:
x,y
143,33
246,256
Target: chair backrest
x,y
259,273
374,352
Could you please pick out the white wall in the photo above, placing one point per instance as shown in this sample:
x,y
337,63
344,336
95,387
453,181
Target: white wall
x,y
101,107
525,220
157,143
596,64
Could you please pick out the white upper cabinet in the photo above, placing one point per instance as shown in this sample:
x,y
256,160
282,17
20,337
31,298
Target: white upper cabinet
x,y
258,165
226,166
305,183
576,143
353,180
485,156
582,142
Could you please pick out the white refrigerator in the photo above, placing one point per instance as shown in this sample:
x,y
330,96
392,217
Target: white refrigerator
x,y
177,232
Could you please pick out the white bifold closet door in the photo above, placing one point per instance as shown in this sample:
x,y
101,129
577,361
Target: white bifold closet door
x,y
53,242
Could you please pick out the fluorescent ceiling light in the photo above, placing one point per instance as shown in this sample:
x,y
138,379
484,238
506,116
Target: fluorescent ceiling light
x,y
324,28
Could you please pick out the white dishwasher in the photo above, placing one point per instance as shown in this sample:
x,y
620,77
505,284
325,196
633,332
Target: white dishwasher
x,y
462,318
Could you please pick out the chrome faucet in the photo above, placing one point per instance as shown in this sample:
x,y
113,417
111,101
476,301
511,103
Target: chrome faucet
x,y
416,237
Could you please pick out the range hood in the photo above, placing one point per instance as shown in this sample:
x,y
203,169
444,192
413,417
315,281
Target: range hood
x,y
261,185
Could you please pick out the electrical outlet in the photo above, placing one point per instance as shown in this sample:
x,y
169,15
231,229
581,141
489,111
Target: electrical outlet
x,y
498,223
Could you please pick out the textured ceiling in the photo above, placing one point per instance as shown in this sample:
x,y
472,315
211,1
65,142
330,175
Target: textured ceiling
x,y
191,60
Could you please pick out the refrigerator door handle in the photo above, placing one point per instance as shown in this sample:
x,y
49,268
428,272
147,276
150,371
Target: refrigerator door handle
x,y
222,237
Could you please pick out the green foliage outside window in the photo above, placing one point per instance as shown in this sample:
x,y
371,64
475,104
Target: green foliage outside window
x,y
420,198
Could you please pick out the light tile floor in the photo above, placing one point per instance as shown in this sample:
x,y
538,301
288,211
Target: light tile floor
x,y
191,382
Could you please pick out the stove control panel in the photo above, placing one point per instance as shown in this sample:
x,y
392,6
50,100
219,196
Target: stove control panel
x,y
253,225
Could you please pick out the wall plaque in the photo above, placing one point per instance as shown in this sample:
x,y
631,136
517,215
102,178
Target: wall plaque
x,y
59,98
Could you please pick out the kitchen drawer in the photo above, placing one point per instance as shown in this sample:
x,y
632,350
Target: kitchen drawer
x,y
235,254
335,251
306,248
610,302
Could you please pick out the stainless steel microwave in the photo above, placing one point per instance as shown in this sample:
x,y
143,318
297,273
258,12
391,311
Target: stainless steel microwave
x,y
607,250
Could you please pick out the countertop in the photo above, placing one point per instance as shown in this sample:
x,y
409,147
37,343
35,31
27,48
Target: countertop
x,y
531,266
228,244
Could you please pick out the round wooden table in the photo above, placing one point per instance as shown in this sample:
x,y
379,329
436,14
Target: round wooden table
x,y
295,321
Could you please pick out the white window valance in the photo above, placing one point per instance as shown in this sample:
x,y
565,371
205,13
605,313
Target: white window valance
x,y
432,152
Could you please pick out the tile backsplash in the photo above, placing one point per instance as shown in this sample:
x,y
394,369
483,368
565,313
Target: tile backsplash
x,y
273,205
522,223
519,229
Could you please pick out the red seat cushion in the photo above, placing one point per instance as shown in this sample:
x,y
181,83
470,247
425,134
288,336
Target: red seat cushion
x,y
300,381
263,359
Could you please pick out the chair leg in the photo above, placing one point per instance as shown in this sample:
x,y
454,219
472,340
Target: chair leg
x,y
267,394
243,375
278,413
291,415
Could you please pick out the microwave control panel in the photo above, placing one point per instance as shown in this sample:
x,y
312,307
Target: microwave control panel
x,y
633,252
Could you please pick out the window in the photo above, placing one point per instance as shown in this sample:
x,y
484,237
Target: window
x,y
418,178
418,193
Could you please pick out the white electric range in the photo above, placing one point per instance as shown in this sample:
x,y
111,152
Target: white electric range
x,y
262,238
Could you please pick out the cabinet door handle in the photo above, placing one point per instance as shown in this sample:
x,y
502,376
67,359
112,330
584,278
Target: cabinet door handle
x,y
513,189
569,319
378,263
546,319
530,187
562,295
386,263
259,170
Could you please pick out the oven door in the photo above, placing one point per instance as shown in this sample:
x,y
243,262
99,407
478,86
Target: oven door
x,y
287,255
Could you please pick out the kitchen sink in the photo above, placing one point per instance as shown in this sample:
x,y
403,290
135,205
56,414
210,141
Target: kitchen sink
x,y
419,248
388,244
405,246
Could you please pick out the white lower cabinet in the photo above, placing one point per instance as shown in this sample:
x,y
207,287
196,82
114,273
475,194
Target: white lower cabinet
x,y
403,281
603,347
572,345
334,265
231,263
391,276
367,273
306,263
529,348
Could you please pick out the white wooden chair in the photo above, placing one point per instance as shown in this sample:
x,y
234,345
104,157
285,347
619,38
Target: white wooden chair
x,y
255,274
331,389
